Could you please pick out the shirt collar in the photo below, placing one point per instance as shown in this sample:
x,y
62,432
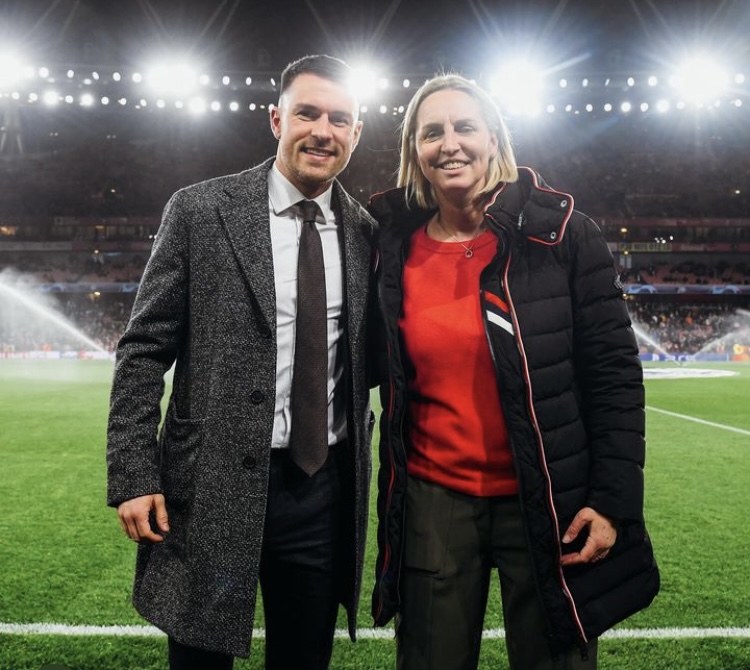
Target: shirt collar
x,y
284,195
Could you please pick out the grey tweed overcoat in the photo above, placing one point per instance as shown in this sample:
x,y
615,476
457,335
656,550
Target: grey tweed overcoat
x,y
207,303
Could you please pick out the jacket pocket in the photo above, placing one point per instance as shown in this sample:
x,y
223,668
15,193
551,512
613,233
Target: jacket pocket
x,y
180,441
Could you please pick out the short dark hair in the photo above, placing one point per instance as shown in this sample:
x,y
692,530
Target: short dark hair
x,y
321,65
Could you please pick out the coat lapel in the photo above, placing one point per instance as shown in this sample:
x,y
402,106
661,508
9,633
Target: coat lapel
x,y
244,215
357,254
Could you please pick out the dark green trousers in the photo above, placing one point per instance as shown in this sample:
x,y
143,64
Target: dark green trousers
x,y
452,544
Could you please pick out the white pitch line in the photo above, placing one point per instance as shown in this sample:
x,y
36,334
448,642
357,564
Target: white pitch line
x,y
741,431
362,633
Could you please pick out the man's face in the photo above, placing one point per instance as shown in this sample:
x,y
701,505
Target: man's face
x,y
317,128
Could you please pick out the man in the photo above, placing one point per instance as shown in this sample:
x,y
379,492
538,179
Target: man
x,y
233,492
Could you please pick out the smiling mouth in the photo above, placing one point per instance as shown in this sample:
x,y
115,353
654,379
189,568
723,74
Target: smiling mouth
x,y
319,153
452,165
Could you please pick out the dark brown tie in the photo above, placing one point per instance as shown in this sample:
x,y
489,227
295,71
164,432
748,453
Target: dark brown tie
x,y
309,404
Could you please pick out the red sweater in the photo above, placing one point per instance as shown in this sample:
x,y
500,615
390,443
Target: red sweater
x,y
457,431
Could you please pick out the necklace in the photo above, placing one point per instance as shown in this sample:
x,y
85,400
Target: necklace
x,y
468,250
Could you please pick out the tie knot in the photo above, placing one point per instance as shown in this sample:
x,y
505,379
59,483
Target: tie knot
x,y
309,210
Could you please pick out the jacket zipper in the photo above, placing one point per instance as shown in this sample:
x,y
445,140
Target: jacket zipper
x,y
386,512
540,447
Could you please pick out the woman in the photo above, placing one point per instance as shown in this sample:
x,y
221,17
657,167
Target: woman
x,y
512,434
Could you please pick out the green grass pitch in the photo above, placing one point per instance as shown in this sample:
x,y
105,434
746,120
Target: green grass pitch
x,y
64,559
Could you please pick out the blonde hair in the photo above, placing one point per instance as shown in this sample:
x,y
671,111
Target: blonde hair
x,y
502,168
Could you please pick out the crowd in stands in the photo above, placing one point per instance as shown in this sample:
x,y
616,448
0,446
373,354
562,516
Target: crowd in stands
x,y
616,165
49,267
671,328
661,326
63,322
688,272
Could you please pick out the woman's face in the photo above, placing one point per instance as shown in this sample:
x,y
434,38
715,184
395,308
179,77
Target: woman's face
x,y
454,144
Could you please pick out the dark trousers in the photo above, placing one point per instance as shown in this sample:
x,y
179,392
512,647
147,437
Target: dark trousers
x,y
452,544
300,570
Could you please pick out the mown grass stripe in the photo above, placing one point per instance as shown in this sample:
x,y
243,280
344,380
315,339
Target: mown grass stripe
x,y
362,633
741,431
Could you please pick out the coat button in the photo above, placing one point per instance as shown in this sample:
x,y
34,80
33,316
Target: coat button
x,y
249,462
563,203
257,397
265,332
553,236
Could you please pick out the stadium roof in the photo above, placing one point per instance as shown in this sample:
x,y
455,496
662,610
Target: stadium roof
x,y
403,35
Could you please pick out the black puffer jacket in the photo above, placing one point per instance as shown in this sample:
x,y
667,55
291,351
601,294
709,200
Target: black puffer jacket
x,y
572,394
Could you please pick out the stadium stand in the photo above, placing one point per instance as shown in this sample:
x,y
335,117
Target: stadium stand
x,y
80,205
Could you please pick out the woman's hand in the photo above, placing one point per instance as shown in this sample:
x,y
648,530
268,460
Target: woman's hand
x,y
602,535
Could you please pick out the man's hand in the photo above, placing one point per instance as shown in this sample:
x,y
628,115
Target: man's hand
x,y
134,517
602,535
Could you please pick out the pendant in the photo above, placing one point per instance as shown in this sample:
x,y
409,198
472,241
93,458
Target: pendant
x,y
468,253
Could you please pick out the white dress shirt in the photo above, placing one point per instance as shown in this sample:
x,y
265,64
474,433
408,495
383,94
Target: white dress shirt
x,y
286,226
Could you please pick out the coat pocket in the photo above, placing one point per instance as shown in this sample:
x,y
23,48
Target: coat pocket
x,y
180,441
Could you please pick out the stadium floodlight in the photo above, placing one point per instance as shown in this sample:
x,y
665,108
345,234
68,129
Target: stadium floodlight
x,y
700,80
406,83
662,106
518,87
173,78
234,106
363,82
215,106
51,98
11,71
87,100
197,105
626,107
653,80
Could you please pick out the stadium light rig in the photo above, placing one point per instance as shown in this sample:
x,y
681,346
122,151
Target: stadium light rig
x,y
12,71
700,80
519,88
